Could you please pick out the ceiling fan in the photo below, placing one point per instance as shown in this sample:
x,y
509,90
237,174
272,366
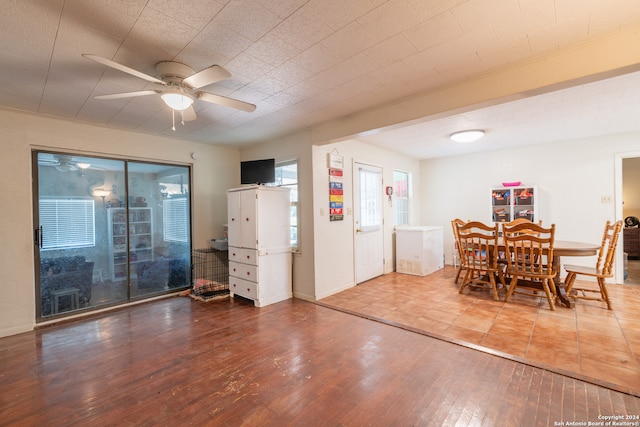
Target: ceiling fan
x,y
61,162
177,85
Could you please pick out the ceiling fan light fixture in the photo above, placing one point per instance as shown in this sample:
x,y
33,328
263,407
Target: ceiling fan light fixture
x,y
177,100
100,192
467,135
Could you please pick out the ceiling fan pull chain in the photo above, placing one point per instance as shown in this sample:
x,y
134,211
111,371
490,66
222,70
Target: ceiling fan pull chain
x,y
173,117
182,116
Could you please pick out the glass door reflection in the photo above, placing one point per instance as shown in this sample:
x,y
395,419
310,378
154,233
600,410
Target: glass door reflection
x,y
74,195
159,228
108,231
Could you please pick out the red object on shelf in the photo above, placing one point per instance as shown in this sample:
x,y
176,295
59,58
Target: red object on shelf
x,y
511,184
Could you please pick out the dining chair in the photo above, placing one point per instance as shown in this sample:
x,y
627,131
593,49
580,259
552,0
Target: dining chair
x,y
529,254
458,247
603,269
478,245
502,257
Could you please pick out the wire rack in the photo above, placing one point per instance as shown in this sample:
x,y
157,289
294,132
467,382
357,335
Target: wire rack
x,y
209,273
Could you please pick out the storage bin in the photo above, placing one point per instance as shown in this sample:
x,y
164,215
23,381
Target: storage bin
x,y
524,200
500,201
220,244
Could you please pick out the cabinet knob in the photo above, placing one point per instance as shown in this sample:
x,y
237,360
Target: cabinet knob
x,y
248,273
234,285
247,219
248,289
234,269
233,219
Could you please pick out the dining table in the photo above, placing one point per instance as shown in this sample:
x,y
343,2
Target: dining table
x,y
565,248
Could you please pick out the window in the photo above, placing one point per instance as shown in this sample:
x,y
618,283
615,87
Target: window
x,y
287,176
370,191
176,220
67,223
401,197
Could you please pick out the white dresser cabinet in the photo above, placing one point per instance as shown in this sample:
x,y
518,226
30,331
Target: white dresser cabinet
x,y
259,244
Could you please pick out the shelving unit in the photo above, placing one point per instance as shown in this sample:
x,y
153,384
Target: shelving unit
x,y
509,203
140,237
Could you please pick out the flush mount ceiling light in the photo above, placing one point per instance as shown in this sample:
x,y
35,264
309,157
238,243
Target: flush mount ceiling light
x,y
467,135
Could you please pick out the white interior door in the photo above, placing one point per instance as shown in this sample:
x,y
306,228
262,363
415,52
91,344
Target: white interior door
x,y
369,255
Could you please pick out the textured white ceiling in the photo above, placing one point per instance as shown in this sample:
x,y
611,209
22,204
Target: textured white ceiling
x,y
302,62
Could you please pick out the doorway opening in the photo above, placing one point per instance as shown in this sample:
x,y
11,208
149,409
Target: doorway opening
x,y
630,214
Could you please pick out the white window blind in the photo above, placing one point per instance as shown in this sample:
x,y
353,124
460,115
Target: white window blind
x,y
67,223
176,219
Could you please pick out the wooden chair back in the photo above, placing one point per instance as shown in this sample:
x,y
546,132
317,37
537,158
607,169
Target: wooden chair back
x,y
607,252
502,256
458,247
529,255
454,225
601,271
519,221
529,248
478,245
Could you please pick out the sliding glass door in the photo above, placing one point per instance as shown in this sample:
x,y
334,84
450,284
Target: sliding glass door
x,y
108,231
159,228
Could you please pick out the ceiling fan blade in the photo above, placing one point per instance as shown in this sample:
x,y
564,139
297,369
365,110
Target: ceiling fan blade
x,y
213,74
189,114
120,67
127,94
227,102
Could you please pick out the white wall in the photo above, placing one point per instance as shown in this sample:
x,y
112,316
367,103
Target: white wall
x,y
571,176
215,170
324,264
334,240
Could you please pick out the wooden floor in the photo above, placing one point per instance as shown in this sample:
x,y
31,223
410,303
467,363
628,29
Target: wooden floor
x,y
589,342
179,362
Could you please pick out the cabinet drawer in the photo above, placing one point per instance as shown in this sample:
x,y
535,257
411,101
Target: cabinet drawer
x,y
244,288
244,255
249,256
243,271
235,253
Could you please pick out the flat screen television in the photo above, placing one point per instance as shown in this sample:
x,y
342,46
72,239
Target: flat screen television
x,y
258,171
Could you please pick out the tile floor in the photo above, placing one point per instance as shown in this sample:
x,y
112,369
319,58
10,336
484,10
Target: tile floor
x,y
589,342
